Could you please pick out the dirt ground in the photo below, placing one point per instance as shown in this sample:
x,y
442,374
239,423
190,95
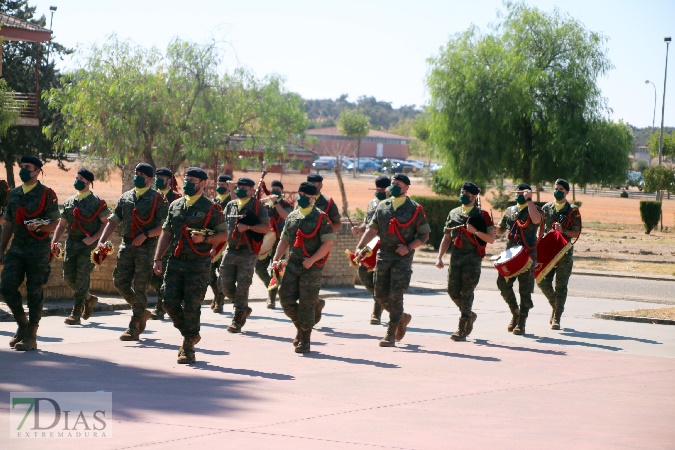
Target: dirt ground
x,y
612,240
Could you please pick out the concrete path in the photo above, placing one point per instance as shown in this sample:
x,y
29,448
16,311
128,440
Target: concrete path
x,y
593,384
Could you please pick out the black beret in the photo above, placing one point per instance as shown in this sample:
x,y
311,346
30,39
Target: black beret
x,y
471,188
197,173
382,181
308,188
277,183
145,169
224,178
245,182
401,177
314,178
523,186
31,160
563,183
86,174
164,172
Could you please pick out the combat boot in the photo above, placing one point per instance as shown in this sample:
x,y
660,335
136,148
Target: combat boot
x,y
29,341
555,321
388,339
460,334
22,322
403,326
217,303
89,304
143,320
158,313
469,323
515,314
303,345
133,331
74,317
272,298
298,335
317,310
375,317
239,320
186,354
520,328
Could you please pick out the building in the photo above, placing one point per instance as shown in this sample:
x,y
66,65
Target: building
x,y
377,144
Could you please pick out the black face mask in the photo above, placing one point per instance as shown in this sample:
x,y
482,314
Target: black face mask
x,y
559,195
160,183
464,199
221,190
189,188
520,199
381,195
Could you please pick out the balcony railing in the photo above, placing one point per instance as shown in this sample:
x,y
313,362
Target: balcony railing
x,y
24,103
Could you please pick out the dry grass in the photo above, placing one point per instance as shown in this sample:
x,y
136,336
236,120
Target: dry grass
x,y
657,313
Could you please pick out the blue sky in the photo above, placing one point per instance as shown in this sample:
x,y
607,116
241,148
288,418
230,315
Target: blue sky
x,y
375,47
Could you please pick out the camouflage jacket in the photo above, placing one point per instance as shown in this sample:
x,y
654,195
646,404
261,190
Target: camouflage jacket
x,y
87,220
144,211
370,210
171,195
333,213
276,222
4,195
203,214
462,241
311,239
21,207
398,227
235,238
518,223
569,217
225,201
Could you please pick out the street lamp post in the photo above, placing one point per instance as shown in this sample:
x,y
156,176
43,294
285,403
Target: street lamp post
x,y
653,115
52,9
663,106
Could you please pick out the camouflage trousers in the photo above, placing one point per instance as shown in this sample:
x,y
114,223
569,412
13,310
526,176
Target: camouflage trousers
x,y
30,261
157,282
368,280
299,292
134,267
213,281
77,269
185,284
236,275
525,289
463,277
562,272
262,266
392,278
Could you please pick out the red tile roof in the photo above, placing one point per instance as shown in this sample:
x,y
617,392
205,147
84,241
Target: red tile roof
x,y
17,29
333,131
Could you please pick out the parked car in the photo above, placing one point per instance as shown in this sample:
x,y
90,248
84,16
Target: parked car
x,y
366,165
633,179
402,167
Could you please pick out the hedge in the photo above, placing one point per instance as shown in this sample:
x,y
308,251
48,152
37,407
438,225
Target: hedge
x,y
436,209
650,213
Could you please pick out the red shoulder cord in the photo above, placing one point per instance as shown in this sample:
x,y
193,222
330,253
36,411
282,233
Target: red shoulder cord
x,y
480,248
300,237
137,222
395,224
22,215
519,233
79,218
244,236
185,235
570,219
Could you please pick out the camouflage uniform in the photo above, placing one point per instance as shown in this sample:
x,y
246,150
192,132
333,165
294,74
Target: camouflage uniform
x,y
77,265
238,264
299,289
134,264
368,277
218,296
393,272
465,259
322,202
157,280
4,195
28,254
526,279
186,274
277,225
570,219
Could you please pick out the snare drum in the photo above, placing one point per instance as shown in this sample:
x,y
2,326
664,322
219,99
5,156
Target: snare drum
x,y
267,245
550,250
513,261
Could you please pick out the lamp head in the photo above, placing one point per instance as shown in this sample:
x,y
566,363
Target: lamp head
x,y
666,39
646,81
52,8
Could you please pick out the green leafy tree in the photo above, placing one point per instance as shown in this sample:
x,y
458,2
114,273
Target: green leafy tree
x,y
659,178
668,149
18,71
511,102
354,125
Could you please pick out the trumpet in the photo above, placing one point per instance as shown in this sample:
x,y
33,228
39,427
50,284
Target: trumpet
x,y
201,231
38,222
56,251
100,253
277,273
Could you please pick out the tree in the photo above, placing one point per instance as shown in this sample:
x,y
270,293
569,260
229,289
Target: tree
x,y
668,148
354,125
511,102
18,60
8,115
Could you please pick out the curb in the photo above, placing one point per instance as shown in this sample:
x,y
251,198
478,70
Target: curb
x,y
634,319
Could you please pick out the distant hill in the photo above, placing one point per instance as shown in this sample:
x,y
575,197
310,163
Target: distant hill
x,y
641,135
325,112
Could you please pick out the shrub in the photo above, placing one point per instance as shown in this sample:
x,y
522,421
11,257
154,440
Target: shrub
x,y
650,213
436,209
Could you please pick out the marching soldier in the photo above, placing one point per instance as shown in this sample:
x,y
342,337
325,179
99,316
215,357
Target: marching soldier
x,y
194,224
367,276
85,216
223,197
164,183
141,211
523,223
402,227
468,249
236,270
328,206
28,207
564,217
277,210
311,235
